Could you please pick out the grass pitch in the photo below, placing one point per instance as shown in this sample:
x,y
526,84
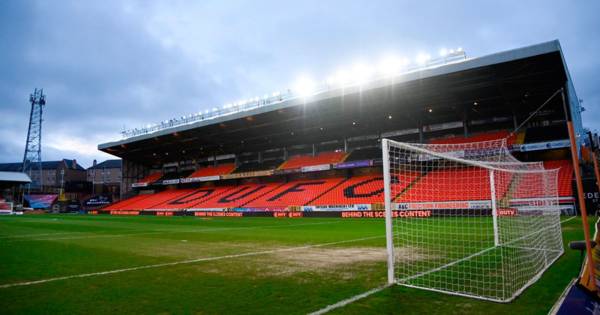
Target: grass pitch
x,y
180,265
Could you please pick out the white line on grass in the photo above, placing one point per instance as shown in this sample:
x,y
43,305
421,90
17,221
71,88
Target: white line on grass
x,y
569,219
182,262
345,302
153,232
37,234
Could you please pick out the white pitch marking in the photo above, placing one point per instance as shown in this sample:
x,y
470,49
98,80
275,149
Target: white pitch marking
x,y
181,262
353,299
39,234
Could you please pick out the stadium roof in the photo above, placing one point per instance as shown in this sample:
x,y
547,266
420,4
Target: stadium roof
x,y
115,163
8,179
515,81
46,165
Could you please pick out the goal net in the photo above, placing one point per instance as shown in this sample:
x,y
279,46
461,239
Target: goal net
x,y
468,219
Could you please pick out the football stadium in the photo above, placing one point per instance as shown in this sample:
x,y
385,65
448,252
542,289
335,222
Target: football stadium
x,y
450,187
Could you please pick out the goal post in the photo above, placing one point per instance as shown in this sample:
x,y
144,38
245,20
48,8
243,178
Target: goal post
x,y
468,219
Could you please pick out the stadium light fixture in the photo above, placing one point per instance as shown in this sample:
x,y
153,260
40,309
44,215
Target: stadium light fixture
x,y
430,110
361,73
330,80
305,86
422,59
389,116
342,77
391,65
443,52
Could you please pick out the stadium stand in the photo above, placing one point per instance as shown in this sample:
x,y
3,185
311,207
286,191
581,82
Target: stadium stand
x,y
239,196
158,198
126,204
452,185
356,190
295,193
364,154
192,198
546,133
476,138
299,161
565,176
150,178
213,170
256,166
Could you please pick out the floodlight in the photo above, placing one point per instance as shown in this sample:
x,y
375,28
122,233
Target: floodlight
x,y
361,73
422,59
443,52
342,77
330,80
304,86
390,65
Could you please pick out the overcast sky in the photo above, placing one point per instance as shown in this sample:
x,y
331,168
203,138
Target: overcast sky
x,y
109,64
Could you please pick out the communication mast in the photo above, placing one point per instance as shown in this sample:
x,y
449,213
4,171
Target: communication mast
x,y
32,159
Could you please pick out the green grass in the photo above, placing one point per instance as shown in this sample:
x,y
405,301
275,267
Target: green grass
x,y
295,281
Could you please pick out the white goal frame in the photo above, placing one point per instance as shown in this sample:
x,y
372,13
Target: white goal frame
x,y
504,163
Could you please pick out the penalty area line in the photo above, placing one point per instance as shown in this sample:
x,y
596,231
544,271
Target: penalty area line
x,y
183,262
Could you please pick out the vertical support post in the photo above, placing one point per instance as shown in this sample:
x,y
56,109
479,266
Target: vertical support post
x,y
494,208
388,211
596,169
465,122
582,207
595,159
